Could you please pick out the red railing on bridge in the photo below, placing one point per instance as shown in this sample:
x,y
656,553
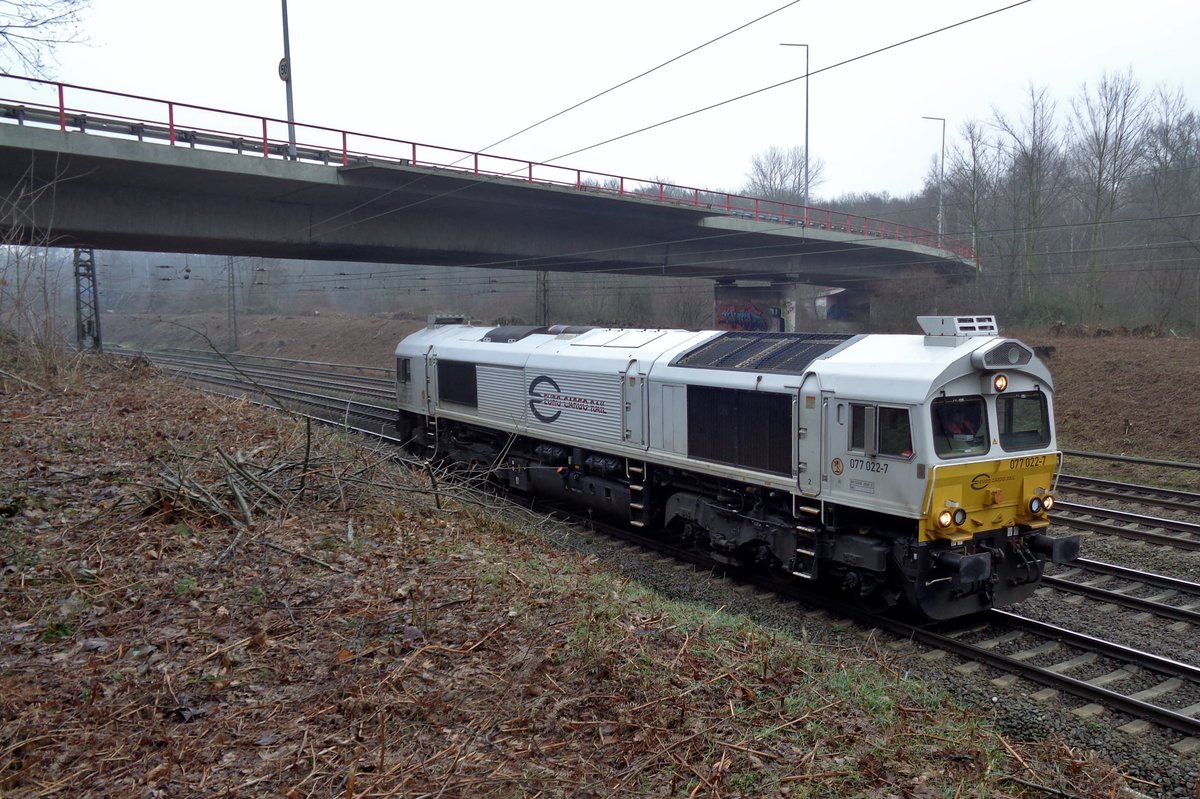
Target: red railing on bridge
x,y
117,114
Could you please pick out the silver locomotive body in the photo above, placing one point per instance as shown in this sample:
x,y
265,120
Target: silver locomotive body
x,y
913,470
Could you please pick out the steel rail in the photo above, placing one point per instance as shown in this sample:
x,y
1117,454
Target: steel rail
x,y
258,373
1125,573
1127,517
353,385
1132,459
249,356
1172,498
339,405
318,369
1120,598
1190,544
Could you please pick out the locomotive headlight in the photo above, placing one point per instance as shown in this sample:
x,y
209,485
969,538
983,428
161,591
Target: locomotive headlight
x,y
1035,505
960,517
1048,503
1000,382
945,519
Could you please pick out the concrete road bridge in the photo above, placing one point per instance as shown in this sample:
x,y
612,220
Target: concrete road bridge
x,y
85,167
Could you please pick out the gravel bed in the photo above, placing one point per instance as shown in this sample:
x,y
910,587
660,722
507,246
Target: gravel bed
x,y
1146,756
1124,626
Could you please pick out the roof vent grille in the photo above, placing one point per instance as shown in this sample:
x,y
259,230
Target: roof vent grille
x,y
958,325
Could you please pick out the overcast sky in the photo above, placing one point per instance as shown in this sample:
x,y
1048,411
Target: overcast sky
x,y
467,74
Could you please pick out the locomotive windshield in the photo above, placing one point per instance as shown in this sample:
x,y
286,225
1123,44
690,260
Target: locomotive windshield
x,y
959,426
1024,420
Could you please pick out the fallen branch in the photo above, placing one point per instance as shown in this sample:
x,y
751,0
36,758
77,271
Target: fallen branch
x,y
300,555
23,381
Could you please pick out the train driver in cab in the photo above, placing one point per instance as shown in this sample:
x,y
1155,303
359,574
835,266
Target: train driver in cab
x,y
958,427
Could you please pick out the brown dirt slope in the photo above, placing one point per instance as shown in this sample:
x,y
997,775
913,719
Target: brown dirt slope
x,y
1127,395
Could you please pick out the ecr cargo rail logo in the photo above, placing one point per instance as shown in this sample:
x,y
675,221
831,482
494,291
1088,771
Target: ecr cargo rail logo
x,y
544,393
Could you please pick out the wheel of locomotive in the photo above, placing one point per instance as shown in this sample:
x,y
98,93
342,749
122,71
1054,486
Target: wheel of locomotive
x,y
869,592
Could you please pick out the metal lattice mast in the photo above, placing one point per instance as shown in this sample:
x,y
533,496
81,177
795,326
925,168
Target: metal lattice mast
x,y
87,301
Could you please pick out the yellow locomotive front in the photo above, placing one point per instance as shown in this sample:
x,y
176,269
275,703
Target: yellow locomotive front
x,y
982,536
941,453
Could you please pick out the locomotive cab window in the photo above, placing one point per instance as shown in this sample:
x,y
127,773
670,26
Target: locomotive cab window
x,y
959,426
880,430
403,370
1024,420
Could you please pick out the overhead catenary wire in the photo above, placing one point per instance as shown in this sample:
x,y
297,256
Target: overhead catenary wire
x,y
807,74
584,102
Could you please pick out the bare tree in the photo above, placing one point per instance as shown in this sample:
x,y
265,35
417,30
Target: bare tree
x,y
971,181
30,31
1168,266
33,275
1105,141
778,174
1032,186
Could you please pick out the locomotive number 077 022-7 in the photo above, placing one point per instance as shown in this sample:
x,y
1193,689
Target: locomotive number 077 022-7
x,y
1031,462
867,466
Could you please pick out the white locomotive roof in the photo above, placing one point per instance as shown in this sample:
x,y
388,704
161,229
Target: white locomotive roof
x,y
598,349
897,368
904,369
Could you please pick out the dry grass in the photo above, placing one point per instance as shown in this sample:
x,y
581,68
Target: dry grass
x,y
203,599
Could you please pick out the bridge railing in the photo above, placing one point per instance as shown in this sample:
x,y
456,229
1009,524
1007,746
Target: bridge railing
x,y
74,108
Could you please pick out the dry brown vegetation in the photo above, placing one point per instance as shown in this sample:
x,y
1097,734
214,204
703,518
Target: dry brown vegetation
x,y
199,598
1126,395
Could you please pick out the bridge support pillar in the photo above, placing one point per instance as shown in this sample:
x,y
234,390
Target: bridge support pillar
x,y
845,305
787,306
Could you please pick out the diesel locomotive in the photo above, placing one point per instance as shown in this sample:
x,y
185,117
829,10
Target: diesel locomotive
x,y
904,470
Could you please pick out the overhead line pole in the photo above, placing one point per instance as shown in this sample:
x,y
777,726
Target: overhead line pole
x,y
941,176
285,74
806,184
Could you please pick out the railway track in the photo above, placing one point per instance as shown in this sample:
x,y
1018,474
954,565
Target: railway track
x,y
1140,684
1136,526
335,379
1159,595
1153,496
1143,685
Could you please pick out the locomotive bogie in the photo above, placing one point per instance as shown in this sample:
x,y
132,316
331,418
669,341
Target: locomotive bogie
x,y
912,469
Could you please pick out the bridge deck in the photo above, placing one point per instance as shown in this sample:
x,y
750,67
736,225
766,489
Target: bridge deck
x,y
224,184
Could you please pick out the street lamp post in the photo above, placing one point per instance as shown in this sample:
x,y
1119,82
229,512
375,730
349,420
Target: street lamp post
x,y
941,177
805,46
285,74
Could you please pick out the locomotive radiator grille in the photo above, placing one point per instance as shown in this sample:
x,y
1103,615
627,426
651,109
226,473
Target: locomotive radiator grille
x,y
783,353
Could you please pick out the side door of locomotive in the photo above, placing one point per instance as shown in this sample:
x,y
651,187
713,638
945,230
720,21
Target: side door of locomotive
x,y
429,393
633,403
810,415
